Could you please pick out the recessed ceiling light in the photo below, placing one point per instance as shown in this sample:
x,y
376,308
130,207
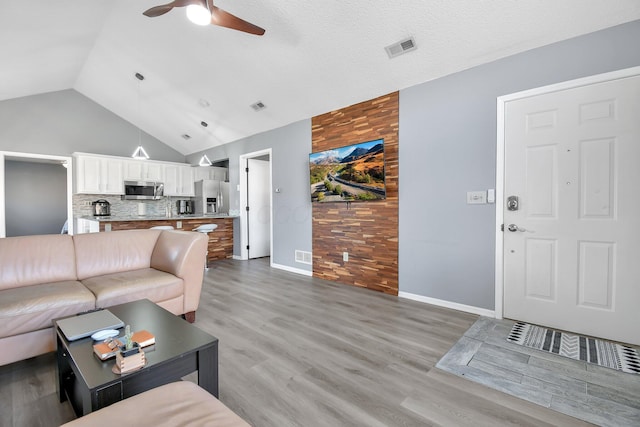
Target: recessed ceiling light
x,y
186,137
258,106
139,76
204,124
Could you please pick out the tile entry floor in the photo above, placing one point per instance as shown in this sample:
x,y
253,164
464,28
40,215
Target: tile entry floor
x,y
582,390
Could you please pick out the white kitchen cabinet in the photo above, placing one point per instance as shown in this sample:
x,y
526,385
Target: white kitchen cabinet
x,y
202,172
84,225
98,175
187,181
142,170
210,172
219,174
178,180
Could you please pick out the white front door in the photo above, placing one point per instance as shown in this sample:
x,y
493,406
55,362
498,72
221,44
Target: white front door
x,y
259,202
572,247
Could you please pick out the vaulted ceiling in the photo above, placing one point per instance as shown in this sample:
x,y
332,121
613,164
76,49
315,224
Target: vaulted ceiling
x,y
316,56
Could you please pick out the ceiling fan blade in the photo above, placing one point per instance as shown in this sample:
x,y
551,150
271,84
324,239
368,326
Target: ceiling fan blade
x,y
225,19
162,9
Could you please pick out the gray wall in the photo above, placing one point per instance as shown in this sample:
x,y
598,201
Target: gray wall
x,y
36,198
448,147
291,146
59,123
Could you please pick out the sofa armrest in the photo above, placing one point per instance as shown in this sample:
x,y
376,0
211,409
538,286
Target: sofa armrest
x,y
182,253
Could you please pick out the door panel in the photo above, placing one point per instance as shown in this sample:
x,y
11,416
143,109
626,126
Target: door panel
x,y
540,268
572,157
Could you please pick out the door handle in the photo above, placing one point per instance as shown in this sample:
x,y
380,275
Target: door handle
x,y
513,228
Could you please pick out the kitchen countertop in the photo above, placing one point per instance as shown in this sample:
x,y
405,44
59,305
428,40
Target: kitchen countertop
x,y
155,218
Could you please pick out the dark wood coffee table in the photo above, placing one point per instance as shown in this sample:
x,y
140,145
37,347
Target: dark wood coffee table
x,y
181,348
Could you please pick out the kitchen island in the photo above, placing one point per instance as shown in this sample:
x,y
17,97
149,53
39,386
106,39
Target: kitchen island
x,y
220,240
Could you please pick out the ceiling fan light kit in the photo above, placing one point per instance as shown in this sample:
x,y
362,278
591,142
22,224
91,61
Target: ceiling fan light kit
x,y
198,14
203,12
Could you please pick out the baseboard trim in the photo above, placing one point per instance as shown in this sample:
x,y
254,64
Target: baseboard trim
x,y
292,269
448,304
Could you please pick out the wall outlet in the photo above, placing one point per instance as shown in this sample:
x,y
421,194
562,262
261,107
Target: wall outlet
x,y
87,202
345,256
178,224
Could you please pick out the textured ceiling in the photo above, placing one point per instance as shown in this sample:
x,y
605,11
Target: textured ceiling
x,y
315,56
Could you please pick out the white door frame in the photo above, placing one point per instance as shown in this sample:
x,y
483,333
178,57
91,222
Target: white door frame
x,y
500,165
60,159
244,254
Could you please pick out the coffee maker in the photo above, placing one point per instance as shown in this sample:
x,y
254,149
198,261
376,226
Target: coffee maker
x,y
184,207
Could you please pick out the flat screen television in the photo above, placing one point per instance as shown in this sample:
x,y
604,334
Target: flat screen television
x,y
350,173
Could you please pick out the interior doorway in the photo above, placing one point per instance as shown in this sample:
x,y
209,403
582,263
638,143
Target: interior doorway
x,y
30,203
256,205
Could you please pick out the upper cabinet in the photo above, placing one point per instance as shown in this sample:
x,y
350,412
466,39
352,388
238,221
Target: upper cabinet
x,y
178,180
143,170
210,172
220,174
98,175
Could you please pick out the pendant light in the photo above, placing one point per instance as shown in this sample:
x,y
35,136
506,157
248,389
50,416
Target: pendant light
x,y
139,153
204,161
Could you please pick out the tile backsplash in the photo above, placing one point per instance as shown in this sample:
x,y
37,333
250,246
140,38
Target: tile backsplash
x,y
124,208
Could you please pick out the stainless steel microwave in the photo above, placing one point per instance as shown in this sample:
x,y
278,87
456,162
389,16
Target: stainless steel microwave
x,y
143,190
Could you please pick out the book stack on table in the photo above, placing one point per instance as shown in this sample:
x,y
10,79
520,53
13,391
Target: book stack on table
x,y
108,349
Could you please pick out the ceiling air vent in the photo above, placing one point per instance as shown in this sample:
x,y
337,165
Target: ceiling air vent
x,y
401,47
258,106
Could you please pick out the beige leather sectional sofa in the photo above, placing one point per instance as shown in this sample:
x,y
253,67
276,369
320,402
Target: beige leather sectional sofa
x,y
51,276
181,403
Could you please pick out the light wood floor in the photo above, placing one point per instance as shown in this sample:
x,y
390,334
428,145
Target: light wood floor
x,y
298,351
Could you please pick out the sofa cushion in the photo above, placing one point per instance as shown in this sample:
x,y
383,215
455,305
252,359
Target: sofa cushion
x,y
182,403
31,260
31,308
98,254
118,288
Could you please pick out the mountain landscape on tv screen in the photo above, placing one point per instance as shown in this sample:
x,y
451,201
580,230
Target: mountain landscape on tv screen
x,y
351,173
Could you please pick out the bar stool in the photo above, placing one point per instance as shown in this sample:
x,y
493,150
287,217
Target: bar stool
x,y
206,229
162,227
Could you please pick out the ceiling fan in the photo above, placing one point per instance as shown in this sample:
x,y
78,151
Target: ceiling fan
x,y
203,12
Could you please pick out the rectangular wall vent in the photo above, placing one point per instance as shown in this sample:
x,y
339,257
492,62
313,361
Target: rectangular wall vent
x,y
401,47
304,257
258,106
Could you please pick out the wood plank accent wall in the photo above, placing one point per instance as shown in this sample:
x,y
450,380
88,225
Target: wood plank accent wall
x,y
367,230
220,240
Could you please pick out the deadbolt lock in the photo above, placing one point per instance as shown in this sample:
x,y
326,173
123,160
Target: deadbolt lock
x,y
512,203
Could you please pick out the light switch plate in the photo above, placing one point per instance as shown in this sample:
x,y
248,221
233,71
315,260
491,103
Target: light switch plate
x,y
476,197
491,195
